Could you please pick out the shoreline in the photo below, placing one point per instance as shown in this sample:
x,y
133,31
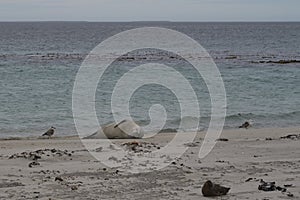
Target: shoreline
x,y
253,131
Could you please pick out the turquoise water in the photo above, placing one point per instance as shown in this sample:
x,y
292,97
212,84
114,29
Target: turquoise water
x,y
39,62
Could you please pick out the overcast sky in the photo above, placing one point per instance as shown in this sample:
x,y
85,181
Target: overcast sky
x,y
149,10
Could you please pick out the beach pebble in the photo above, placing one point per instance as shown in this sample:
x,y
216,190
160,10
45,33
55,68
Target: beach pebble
x,y
223,139
58,179
290,194
33,164
288,185
266,186
74,187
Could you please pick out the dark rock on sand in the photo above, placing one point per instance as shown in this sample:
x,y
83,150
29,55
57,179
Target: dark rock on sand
x,y
33,164
267,186
223,139
288,185
271,186
249,179
58,178
281,189
210,189
74,187
291,136
290,194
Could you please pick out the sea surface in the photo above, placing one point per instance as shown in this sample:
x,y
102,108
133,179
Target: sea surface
x,y
39,62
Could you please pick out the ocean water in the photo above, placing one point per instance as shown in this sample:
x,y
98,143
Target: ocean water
x,y
39,62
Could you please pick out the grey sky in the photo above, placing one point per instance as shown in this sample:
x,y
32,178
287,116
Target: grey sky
x,y
149,10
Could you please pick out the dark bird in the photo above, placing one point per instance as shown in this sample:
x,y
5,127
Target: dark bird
x,y
245,125
50,132
210,189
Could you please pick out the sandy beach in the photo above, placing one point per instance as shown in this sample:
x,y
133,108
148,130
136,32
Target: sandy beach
x,y
61,168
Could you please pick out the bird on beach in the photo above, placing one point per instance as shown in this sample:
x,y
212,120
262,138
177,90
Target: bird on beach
x,y
50,132
210,189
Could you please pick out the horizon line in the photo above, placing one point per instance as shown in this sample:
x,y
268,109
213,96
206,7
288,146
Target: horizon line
x,y
164,21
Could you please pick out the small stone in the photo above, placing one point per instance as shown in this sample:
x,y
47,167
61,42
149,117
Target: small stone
x,y
223,139
290,195
249,179
58,178
74,187
33,164
288,185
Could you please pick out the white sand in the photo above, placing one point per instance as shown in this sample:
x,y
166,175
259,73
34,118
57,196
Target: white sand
x,y
246,155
